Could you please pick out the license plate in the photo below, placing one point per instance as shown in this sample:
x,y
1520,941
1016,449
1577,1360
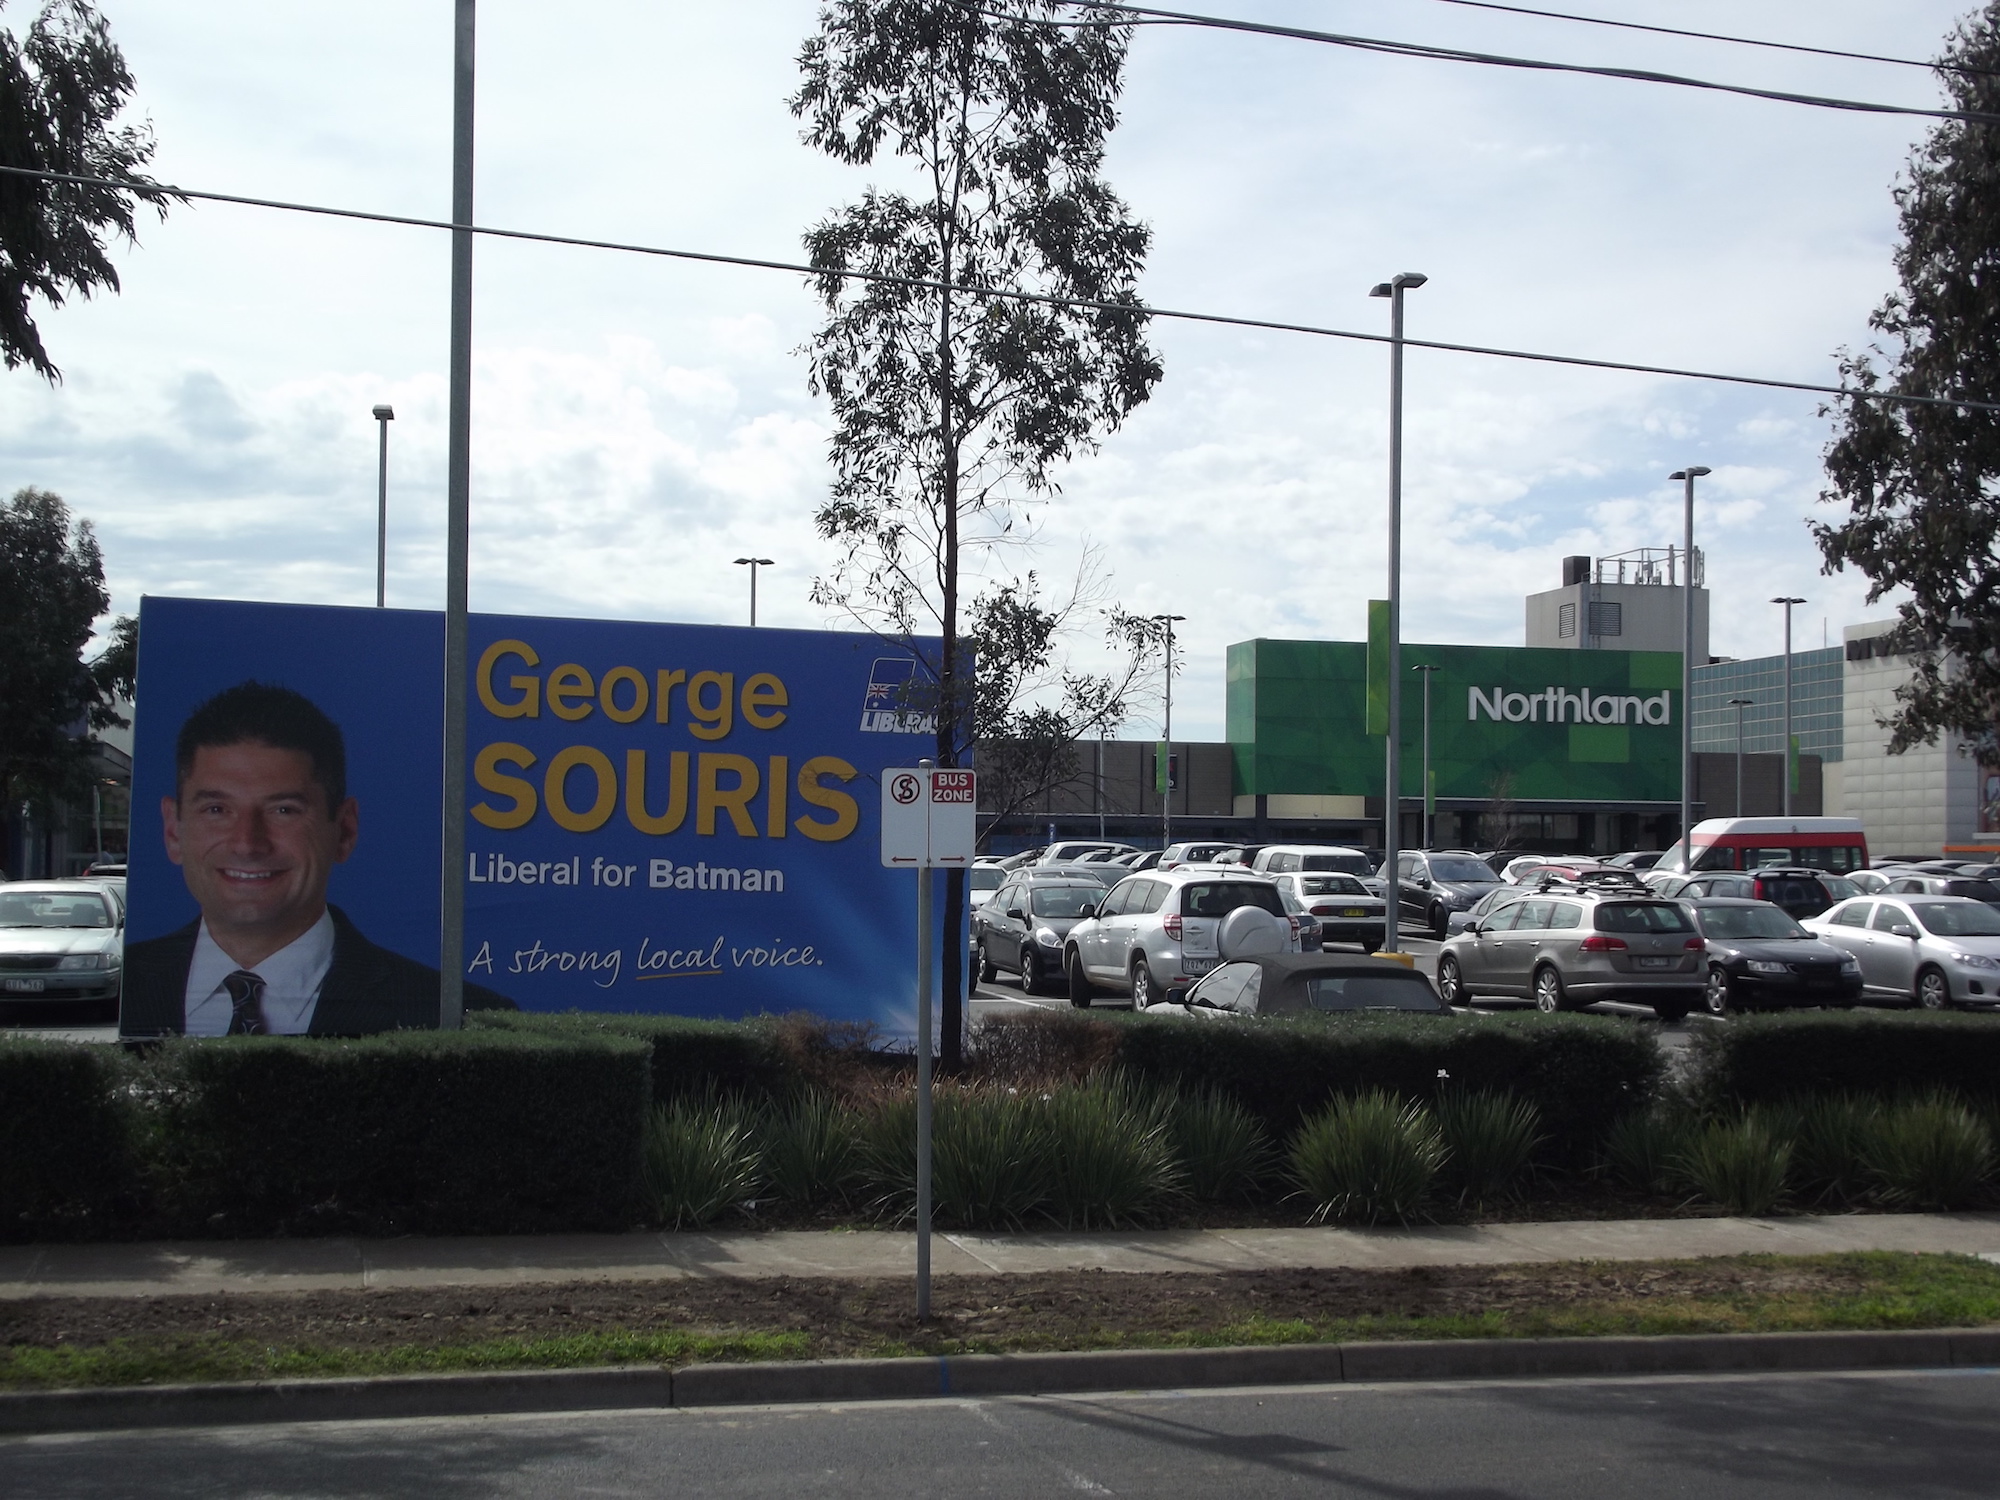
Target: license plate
x,y
1353,911
1654,963
1197,965
26,986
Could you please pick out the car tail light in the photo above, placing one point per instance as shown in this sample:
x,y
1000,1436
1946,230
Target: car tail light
x,y
1325,911
1597,942
1694,943
1295,925
1172,923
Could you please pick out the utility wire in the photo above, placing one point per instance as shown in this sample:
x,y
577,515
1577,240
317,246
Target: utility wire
x,y
1148,16
1716,36
1047,299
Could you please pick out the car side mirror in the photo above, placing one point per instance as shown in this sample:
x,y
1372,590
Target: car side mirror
x,y
1903,929
1472,929
1084,912
1017,914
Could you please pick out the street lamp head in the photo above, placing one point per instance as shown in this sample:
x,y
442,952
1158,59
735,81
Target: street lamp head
x,y
1403,281
1425,666
385,413
1695,472
1787,599
1742,702
1169,619
762,562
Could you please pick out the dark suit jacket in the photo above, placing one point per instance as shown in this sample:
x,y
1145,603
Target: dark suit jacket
x,y
367,989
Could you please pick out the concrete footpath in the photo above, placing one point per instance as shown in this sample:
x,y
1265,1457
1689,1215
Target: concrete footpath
x,y
223,1266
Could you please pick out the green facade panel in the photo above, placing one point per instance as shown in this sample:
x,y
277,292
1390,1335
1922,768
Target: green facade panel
x,y
1507,722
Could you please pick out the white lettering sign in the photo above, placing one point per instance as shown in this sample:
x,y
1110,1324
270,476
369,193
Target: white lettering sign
x,y
1556,705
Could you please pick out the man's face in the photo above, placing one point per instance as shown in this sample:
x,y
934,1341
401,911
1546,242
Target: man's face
x,y
255,839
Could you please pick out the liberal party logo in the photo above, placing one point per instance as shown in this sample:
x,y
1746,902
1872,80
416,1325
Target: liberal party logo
x,y
886,708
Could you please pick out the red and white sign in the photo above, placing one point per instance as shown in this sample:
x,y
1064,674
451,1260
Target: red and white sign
x,y
930,817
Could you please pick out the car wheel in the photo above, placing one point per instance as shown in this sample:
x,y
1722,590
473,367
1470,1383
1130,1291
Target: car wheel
x,y
1144,991
987,973
1719,997
1549,997
1370,945
1440,922
1031,972
1080,988
1451,984
1933,990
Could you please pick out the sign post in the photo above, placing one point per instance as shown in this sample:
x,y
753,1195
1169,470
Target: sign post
x,y
930,820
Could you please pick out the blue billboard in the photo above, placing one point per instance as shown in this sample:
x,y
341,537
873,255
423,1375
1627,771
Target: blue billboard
x,y
660,818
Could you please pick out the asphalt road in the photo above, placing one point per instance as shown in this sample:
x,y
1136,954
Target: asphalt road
x,y
1748,1438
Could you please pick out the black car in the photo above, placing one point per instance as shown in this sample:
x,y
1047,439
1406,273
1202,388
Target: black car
x,y
1021,930
1759,958
1432,884
1800,892
1277,984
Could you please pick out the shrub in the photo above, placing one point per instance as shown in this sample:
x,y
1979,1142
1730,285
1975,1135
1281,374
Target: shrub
x,y
1643,1149
1042,1047
1223,1154
67,1146
1110,1162
810,1148
1367,1158
1489,1139
1930,1152
700,1160
687,1057
427,1132
1580,1072
1740,1163
1876,1054
989,1160
1832,1135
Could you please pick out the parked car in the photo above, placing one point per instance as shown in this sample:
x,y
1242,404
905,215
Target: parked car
x,y
1946,885
1760,958
1491,902
1193,853
1636,859
1801,892
1276,984
1155,934
1021,930
1340,904
981,881
1071,851
1533,867
1308,924
1579,944
1434,884
1147,859
60,940
1932,951
1098,875
1283,859
1019,861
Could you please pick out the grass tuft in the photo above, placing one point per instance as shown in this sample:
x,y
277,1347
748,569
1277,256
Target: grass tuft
x,y
1368,1158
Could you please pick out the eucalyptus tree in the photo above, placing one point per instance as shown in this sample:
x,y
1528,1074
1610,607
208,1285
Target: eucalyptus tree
x,y
955,398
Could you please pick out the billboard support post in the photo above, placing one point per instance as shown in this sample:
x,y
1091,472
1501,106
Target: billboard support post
x,y
930,820
458,508
1687,477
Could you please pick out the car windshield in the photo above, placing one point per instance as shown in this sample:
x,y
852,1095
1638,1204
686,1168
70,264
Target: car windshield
x,y
1370,992
1749,922
1331,885
1838,888
1104,875
1642,916
1978,890
1224,896
1949,919
987,877
1462,869
53,909
1353,864
1064,900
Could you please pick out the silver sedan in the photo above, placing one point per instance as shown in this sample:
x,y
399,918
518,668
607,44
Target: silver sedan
x,y
1932,951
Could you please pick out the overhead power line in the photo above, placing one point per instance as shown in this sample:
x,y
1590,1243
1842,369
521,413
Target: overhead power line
x,y
1181,315
1717,36
1148,15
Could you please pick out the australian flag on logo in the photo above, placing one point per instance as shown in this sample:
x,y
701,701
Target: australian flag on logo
x,y
887,707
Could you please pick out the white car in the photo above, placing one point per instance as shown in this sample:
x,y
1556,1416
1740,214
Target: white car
x,y
60,940
1070,851
1931,951
1154,934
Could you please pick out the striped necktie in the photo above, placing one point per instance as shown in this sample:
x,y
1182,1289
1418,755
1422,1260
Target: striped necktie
x,y
246,1003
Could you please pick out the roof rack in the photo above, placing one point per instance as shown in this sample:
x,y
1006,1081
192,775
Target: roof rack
x,y
1588,880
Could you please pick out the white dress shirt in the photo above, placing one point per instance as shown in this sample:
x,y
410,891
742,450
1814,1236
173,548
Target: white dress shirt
x,y
292,977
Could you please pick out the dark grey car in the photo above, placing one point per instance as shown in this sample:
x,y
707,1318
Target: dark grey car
x,y
1434,884
1021,930
1759,957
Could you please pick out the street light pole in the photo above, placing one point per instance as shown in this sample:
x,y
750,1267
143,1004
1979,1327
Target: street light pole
x,y
458,528
1392,778
1788,601
1687,476
1430,805
384,415
1739,704
1165,774
753,563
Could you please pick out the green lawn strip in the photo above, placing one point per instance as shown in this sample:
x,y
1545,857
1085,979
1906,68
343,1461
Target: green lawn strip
x,y
1896,1290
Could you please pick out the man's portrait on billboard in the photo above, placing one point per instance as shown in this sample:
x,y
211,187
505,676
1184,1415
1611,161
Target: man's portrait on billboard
x,y
259,816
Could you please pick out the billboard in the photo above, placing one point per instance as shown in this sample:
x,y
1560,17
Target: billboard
x,y
660,818
1506,721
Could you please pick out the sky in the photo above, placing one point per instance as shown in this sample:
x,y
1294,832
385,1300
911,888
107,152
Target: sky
x,y
638,423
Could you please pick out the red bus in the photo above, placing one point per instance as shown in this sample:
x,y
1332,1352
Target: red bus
x,y
1836,845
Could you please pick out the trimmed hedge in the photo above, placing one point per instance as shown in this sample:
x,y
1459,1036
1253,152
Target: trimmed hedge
x,y
1581,1072
475,1132
1764,1058
66,1139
